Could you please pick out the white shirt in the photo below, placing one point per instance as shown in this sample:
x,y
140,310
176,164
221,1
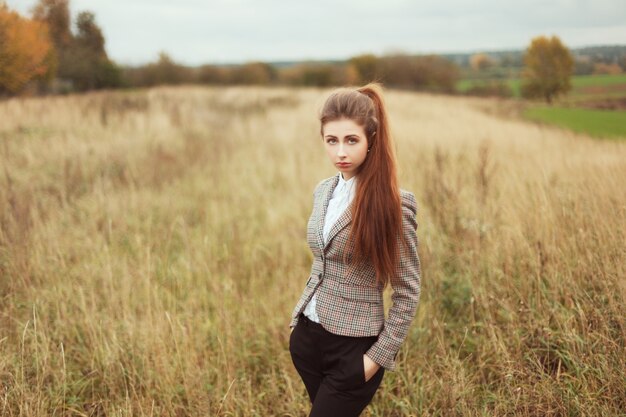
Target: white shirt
x,y
342,196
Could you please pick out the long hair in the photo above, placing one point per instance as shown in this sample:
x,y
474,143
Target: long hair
x,y
377,208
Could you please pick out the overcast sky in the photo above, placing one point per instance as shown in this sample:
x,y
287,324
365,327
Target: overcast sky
x,y
194,32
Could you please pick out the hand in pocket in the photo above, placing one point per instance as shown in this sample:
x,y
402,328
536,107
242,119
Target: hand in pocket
x,y
370,367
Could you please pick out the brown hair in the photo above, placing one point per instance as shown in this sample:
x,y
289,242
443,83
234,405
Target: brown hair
x,y
377,208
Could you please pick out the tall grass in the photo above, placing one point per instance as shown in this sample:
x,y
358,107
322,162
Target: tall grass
x,y
152,247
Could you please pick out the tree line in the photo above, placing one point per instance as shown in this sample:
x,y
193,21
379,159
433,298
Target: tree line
x,y
41,54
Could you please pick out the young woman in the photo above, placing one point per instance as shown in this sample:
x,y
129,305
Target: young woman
x,y
362,233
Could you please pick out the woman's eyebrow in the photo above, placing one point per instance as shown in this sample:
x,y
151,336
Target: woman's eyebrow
x,y
347,136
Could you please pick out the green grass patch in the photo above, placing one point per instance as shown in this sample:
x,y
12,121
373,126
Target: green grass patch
x,y
516,86
598,123
598,80
463,85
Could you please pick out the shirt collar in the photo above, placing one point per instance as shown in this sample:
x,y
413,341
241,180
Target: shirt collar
x,y
340,174
342,184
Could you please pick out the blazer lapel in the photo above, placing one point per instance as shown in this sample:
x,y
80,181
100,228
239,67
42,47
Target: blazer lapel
x,y
325,195
344,219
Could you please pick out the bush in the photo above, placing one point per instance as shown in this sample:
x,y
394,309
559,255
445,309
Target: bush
x,y
493,88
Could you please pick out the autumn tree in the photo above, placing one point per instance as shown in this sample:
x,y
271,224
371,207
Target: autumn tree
x,y
548,67
211,74
423,72
56,15
82,57
25,51
87,56
366,67
481,62
434,73
165,71
311,74
257,73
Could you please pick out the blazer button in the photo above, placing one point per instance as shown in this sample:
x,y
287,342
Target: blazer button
x,y
320,275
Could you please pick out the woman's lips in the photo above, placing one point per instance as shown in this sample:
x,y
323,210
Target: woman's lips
x,y
343,164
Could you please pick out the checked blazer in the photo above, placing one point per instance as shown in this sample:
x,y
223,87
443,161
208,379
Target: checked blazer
x,y
350,303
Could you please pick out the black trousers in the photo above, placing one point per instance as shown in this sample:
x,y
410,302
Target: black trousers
x,y
331,367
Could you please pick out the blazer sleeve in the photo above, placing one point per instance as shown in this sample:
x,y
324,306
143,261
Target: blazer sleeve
x,y
406,292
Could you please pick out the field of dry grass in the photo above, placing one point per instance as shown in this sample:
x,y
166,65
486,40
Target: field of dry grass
x,y
153,245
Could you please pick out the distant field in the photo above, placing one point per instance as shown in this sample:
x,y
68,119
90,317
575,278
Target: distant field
x,y
595,105
602,123
581,81
581,85
465,84
596,87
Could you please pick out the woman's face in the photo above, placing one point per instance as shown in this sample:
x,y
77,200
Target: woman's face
x,y
346,145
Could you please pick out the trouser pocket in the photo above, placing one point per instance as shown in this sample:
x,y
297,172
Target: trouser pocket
x,y
343,360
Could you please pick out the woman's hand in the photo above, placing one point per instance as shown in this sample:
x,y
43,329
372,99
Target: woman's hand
x,y
370,367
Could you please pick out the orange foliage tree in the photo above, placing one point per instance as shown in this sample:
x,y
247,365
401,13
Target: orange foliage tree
x,y
366,66
480,62
548,67
26,52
